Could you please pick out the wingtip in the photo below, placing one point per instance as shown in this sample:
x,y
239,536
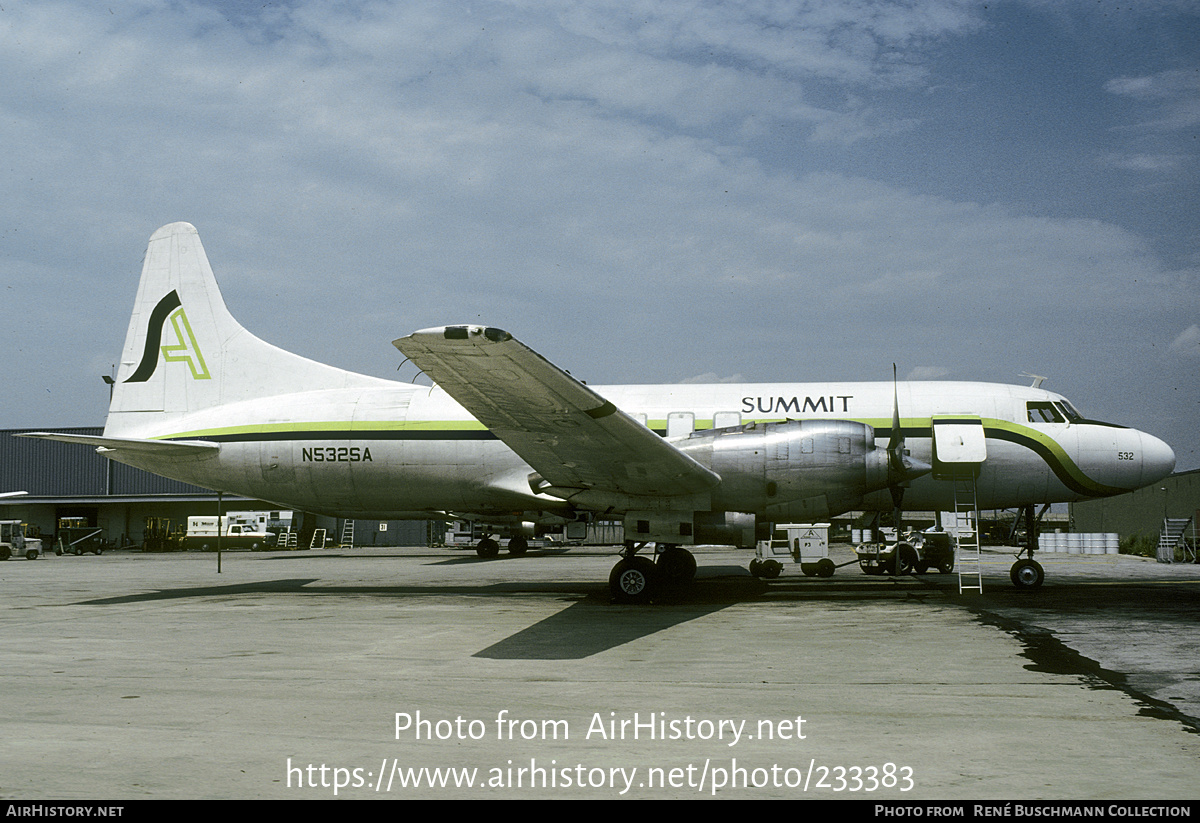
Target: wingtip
x,y
470,333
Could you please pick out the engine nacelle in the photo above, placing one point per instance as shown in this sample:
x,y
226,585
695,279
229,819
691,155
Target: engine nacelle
x,y
797,470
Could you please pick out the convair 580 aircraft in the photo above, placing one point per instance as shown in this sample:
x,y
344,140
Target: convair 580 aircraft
x,y
506,438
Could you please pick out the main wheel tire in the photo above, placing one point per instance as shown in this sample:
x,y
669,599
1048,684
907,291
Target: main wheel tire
x,y
517,546
487,547
633,580
1027,574
676,566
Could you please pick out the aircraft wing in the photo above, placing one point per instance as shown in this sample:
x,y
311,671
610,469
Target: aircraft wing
x,y
164,448
572,437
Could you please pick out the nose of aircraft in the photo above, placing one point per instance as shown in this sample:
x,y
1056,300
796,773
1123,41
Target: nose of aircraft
x,y
1158,459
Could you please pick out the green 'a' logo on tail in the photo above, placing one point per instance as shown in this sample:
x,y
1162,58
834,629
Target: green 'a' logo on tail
x,y
185,349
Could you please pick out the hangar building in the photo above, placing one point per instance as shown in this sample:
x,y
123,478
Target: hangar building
x,y
1142,513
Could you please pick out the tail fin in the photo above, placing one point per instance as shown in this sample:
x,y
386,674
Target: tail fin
x,y
184,352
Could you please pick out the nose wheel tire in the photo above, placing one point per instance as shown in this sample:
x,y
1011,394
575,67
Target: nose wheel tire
x,y
1027,574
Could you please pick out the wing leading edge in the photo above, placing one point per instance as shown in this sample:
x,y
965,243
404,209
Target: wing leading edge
x,y
574,438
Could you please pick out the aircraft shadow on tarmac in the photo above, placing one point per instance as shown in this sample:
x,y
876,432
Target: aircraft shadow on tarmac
x,y
591,623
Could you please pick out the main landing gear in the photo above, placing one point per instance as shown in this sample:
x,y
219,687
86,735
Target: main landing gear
x,y
488,547
638,579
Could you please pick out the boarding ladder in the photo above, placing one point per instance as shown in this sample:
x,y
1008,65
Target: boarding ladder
x,y
347,541
966,516
1171,537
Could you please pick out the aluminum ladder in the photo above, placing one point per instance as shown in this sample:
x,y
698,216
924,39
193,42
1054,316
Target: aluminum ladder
x,y
966,516
347,540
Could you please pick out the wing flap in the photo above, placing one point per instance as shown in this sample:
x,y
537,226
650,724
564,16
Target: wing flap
x,y
572,436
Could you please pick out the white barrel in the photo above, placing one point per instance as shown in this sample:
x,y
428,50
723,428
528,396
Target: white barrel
x,y
1112,543
1073,543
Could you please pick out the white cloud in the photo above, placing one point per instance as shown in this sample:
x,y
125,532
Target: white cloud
x,y
713,377
1155,163
928,373
1174,94
1188,342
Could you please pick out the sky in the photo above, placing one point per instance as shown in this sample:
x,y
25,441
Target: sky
x,y
643,192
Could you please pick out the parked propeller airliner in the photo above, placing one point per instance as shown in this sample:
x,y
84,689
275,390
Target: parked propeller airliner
x,y
511,441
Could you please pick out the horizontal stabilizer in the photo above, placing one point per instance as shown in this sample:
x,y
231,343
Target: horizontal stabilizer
x,y
164,448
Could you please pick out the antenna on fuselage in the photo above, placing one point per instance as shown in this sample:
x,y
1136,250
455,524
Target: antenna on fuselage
x,y
1038,379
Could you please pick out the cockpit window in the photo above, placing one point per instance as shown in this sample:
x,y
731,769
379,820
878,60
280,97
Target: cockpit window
x,y
1043,412
1068,411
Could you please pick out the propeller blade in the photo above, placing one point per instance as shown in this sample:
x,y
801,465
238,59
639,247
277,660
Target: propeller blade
x,y
896,441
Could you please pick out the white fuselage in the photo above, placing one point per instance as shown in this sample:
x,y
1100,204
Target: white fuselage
x,y
394,450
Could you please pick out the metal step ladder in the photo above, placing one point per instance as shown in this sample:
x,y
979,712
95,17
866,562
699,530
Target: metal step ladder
x,y
347,541
966,515
318,539
1171,537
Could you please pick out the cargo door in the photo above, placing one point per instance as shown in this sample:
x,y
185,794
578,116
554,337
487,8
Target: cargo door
x,y
958,444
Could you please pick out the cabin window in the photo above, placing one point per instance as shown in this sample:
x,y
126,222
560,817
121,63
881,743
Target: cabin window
x,y
727,420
